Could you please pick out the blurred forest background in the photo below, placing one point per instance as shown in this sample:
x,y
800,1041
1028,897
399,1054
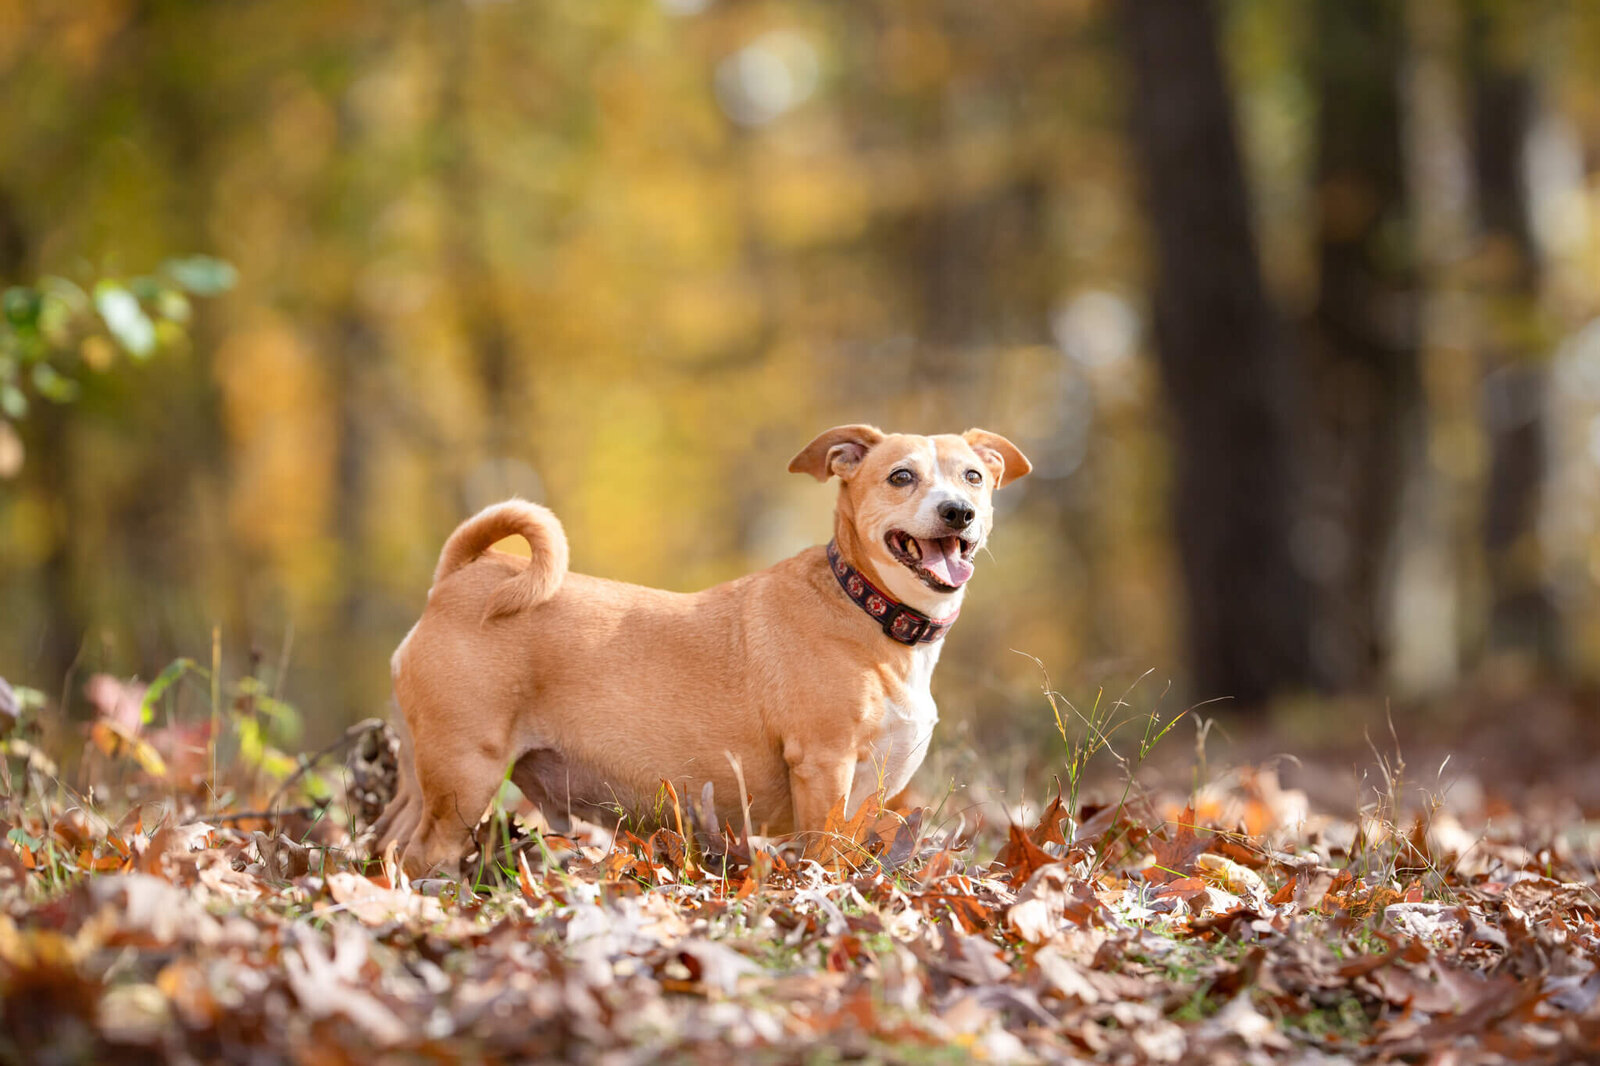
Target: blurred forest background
x,y
1295,307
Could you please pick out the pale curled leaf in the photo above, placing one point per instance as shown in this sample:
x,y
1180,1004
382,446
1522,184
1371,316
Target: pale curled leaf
x,y
169,842
1240,1019
373,904
1425,921
1230,875
328,983
1051,899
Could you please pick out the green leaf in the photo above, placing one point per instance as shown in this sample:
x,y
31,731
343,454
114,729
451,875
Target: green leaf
x,y
54,385
65,291
125,319
12,401
279,765
251,743
173,306
284,718
22,307
164,680
202,275
144,288
63,304
28,699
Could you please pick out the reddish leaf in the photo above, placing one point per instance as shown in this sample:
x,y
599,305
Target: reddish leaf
x,y
1021,856
1048,831
1175,855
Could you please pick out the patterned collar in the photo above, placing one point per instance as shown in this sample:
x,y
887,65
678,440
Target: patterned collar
x,y
900,623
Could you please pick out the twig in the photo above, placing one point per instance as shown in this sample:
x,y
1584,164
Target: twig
x,y
351,735
245,816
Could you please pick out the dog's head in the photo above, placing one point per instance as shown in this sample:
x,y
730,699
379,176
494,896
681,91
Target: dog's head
x,y
914,510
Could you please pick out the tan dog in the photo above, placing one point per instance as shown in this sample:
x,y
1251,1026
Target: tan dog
x,y
808,673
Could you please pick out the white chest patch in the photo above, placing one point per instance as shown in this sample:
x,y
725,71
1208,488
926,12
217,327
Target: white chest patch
x,y
888,762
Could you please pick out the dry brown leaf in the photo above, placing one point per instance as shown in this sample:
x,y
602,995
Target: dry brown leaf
x,y
143,910
1052,898
330,983
171,841
1241,1020
1230,875
1175,855
117,741
283,858
1022,857
374,904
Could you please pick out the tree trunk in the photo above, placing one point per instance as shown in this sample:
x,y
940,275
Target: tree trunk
x,y
477,298
1225,362
1503,96
1365,388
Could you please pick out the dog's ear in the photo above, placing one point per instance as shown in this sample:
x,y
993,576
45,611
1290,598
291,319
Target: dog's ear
x,y
1004,459
837,451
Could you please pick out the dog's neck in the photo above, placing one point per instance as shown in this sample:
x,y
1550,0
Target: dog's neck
x,y
900,623
898,582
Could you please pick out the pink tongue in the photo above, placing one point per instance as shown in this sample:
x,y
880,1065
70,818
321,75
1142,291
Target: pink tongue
x,y
942,559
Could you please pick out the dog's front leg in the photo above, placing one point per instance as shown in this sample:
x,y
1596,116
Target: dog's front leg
x,y
819,781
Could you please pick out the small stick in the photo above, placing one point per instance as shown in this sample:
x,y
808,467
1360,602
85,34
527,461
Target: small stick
x,y
245,816
354,733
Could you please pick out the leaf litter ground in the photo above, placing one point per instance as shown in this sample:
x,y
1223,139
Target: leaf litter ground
x,y
1229,924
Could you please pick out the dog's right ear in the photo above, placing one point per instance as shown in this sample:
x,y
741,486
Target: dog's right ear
x,y
836,452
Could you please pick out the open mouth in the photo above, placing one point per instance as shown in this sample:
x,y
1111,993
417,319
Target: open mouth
x,y
942,563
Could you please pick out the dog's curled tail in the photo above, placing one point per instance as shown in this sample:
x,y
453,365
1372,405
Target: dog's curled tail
x,y
535,524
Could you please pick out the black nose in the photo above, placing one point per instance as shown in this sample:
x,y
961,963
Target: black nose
x,y
956,515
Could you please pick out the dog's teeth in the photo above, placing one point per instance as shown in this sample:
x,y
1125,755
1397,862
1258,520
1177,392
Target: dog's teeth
x,y
914,548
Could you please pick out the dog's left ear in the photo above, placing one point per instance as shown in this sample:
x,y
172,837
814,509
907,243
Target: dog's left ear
x,y
836,451
1004,459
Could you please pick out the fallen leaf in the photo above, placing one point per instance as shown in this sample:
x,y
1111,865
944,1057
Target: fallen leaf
x,y
1022,857
373,904
1240,880
283,858
1051,898
330,983
170,841
116,741
714,966
1239,1019
1175,855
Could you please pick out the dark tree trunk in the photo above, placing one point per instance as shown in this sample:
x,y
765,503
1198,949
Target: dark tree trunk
x,y
358,348
1225,363
1503,95
467,256
1365,389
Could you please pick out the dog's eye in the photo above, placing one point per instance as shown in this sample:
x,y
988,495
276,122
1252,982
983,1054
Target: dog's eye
x,y
974,478
902,478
